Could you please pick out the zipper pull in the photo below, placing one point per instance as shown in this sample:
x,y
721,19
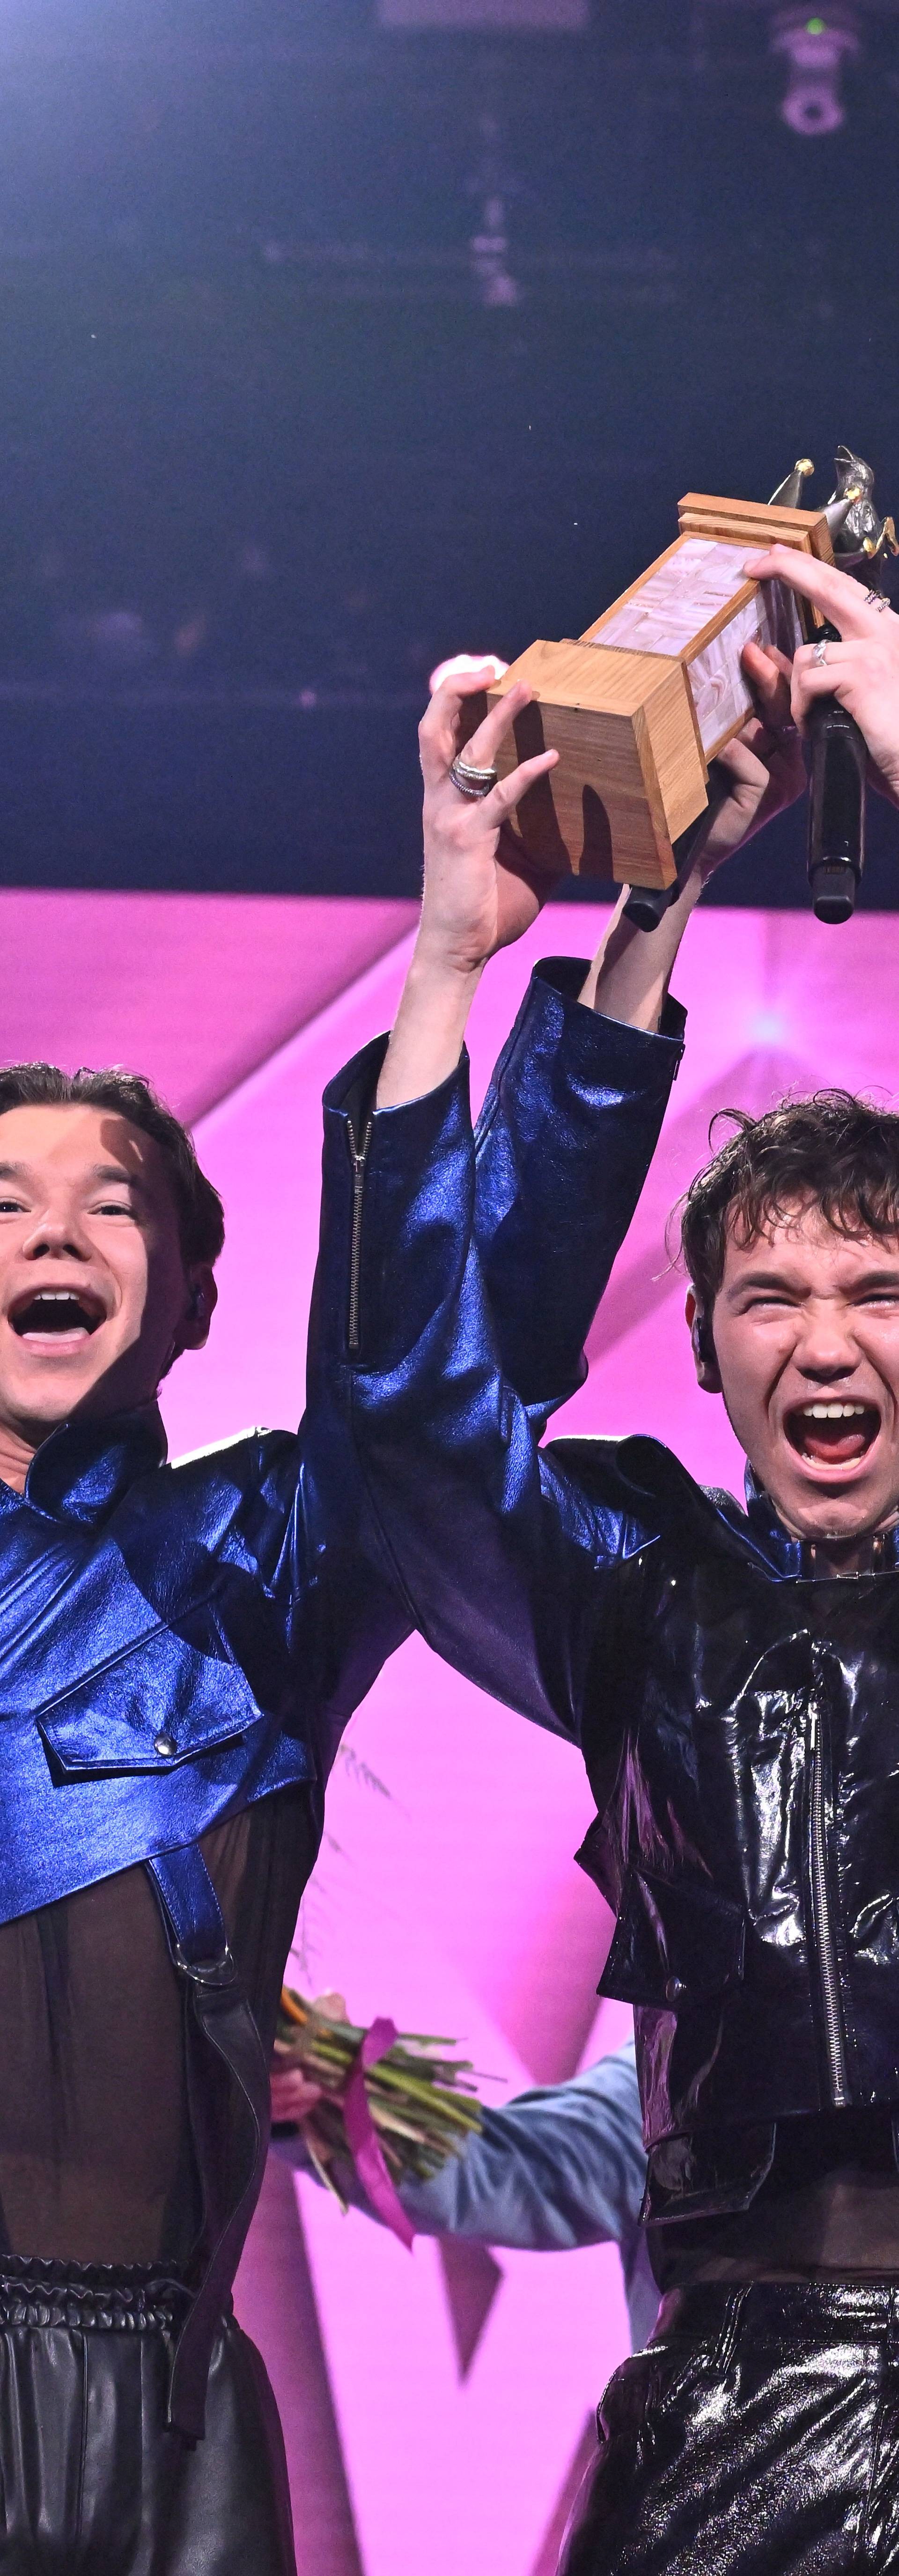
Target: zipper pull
x,y
358,1158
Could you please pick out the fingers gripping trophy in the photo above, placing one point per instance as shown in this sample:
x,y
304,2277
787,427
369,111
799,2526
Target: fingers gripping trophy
x,y
828,666
656,742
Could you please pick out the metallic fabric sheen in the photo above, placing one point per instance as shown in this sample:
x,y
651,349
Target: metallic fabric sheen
x,y
758,2435
177,1642
738,1718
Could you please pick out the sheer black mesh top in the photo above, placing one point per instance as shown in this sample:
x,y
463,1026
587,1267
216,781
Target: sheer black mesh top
x,y
830,2205
96,2160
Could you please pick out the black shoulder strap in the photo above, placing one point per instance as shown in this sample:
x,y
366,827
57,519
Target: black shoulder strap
x,y
221,2011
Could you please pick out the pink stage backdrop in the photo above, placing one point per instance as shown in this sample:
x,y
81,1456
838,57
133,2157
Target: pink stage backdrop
x,y
434,2406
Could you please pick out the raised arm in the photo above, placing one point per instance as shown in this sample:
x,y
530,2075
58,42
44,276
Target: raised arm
x,y
573,1113
479,896
562,1148
501,1559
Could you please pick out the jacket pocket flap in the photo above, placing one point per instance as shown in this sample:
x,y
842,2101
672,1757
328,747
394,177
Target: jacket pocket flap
x,y
160,1705
675,1939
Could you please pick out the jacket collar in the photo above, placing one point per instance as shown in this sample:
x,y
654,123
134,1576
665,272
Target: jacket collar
x,y
787,1553
649,1468
768,1530
83,1469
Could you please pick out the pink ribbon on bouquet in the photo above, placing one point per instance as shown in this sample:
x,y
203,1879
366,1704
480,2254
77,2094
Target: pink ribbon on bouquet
x,y
363,2140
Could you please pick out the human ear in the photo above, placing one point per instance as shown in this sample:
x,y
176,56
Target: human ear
x,y
201,1302
704,1360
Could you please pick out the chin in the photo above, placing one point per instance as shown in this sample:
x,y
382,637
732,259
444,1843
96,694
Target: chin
x,y
47,1399
834,1516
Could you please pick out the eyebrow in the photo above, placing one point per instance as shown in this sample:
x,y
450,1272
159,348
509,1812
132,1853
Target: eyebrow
x,y
777,1279
113,1172
98,1172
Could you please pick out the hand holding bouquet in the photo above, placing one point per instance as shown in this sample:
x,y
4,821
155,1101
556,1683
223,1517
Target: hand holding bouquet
x,y
422,2105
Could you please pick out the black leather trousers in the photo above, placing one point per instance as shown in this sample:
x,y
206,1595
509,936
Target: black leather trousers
x,y
758,2435
91,2483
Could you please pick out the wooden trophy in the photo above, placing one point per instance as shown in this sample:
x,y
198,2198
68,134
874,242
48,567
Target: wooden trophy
x,y
641,704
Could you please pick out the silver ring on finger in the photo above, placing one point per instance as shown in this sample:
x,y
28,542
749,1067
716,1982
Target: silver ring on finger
x,y
819,653
471,781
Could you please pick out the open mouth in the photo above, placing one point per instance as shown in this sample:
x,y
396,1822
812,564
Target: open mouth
x,y
51,1315
833,1431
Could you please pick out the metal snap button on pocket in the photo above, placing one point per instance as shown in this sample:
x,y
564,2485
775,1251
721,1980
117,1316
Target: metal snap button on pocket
x,y
164,1744
675,1988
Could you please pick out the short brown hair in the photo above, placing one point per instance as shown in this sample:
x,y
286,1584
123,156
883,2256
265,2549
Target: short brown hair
x,y
201,1223
833,1151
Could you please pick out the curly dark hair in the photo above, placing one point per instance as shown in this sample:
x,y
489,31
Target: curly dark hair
x,y
833,1151
201,1223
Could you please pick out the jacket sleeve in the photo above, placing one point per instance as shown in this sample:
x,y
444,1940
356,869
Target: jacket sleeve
x,y
561,2167
573,1099
503,1558
562,1148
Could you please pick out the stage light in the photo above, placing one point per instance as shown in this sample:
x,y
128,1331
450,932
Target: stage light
x,y
459,663
817,48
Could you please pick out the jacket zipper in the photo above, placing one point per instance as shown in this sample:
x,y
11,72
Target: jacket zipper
x,y
828,1968
358,1158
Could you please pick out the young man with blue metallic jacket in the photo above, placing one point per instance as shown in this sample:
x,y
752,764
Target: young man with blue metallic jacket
x,y
180,1649
733,1678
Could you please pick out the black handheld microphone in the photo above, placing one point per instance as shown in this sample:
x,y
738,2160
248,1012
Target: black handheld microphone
x,y
837,795
646,904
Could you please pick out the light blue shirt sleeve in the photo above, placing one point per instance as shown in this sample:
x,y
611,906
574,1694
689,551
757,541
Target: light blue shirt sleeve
x,y
559,2167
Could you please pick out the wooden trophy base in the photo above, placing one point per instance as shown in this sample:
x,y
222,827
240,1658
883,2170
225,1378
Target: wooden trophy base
x,y
640,705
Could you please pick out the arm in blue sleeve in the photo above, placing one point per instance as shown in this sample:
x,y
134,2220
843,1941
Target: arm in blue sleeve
x,y
505,1560
560,2167
561,1155
562,1147
563,1144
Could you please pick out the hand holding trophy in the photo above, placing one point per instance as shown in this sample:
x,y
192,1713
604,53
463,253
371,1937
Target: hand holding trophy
x,y
645,708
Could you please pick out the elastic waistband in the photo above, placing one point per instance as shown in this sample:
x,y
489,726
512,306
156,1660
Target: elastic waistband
x,y
715,2309
126,2298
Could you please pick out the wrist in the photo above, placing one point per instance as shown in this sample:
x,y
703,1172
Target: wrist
x,y
429,1029
443,966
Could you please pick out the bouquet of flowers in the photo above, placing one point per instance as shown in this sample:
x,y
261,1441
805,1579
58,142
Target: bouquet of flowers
x,y
421,2104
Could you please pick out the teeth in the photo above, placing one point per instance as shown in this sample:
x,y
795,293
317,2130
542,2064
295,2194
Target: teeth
x,y
833,1412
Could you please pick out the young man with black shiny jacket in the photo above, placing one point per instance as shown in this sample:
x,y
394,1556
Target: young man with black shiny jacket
x,y
732,1676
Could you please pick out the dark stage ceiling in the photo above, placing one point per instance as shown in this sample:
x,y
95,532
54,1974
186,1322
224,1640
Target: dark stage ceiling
x,y
330,350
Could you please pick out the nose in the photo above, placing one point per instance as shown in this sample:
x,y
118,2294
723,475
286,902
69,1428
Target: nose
x,y
826,1348
56,1233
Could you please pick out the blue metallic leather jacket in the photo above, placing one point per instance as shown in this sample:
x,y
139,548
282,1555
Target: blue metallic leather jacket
x,y
738,1717
178,1641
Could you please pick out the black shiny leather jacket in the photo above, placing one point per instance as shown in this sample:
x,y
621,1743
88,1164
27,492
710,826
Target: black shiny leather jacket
x,y
739,1721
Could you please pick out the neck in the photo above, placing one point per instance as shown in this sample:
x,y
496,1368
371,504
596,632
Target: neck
x,y
860,1555
17,1449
